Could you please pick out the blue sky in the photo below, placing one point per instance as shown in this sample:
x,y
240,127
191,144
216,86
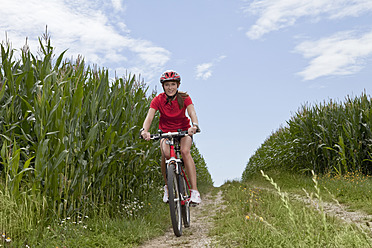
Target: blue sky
x,y
248,65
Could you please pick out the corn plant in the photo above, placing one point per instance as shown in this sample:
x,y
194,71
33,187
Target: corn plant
x,y
69,138
332,137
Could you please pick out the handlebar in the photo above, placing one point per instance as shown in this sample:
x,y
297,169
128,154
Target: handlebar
x,y
169,135
161,135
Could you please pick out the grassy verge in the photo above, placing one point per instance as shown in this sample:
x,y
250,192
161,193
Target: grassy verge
x,y
106,232
149,219
352,189
255,217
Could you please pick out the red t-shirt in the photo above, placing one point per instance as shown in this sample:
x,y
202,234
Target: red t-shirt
x,y
171,116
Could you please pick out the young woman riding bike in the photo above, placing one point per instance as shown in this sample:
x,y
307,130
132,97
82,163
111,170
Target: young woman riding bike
x,y
172,105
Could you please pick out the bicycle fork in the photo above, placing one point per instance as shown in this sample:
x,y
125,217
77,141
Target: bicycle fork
x,y
179,172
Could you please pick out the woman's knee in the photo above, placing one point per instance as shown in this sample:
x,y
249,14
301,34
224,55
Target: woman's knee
x,y
164,149
185,152
186,143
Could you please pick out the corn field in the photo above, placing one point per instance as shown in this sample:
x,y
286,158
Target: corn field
x,y
69,139
333,137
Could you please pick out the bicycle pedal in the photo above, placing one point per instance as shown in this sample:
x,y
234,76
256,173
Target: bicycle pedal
x,y
193,204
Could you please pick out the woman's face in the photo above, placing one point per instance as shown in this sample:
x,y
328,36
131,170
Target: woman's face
x,y
170,87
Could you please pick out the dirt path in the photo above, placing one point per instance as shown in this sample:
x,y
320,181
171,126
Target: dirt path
x,y
359,218
340,211
197,234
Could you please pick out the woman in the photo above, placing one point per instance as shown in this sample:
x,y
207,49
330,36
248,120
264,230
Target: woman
x,y
172,105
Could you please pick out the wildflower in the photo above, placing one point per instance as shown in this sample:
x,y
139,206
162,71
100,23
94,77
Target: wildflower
x,y
8,240
247,217
261,219
3,235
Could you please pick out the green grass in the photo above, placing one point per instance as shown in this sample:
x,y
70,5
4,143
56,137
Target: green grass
x,y
353,189
134,224
255,217
108,232
149,219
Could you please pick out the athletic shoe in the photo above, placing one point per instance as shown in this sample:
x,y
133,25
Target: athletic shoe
x,y
195,197
165,197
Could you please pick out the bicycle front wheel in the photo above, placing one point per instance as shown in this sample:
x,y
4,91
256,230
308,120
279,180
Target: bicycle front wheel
x,y
185,203
174,200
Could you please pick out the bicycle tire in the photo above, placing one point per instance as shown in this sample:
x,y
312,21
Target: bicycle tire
x,y
174,200
186,206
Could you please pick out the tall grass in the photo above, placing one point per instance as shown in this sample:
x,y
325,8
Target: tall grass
x,y
332,137
257,217
69,138
68,135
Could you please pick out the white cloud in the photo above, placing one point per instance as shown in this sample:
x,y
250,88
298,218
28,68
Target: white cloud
x,y
204,71
340,54
83,27
117,5
277,14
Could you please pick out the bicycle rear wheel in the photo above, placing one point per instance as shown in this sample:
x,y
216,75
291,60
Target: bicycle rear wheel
x,y
185,203
174,200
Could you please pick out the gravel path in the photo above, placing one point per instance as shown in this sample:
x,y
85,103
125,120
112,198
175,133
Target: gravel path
x,y
197,234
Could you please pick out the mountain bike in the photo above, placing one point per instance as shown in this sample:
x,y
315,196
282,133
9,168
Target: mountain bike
x,y
177,181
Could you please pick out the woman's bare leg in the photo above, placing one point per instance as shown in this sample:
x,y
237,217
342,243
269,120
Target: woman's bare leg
x,y
186,143
165,154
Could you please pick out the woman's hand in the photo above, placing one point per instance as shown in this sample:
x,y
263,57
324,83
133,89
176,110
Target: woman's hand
x,y
192,130
145,135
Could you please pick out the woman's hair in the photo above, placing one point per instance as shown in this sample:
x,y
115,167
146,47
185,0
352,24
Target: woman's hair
x,y
181,96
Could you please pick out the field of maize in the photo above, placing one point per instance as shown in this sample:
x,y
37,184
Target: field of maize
x,y
332,137
69,143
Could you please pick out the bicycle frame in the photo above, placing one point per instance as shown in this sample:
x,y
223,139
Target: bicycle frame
x,y
174,147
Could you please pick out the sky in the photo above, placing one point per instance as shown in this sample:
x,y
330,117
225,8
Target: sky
x,y
247,65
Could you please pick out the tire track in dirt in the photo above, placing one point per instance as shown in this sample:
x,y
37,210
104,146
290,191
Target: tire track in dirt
x,y
340,211
196,235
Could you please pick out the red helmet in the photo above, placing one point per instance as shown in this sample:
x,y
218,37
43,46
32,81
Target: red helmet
x,y
170,75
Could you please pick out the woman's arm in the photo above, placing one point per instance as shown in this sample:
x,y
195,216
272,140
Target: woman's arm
x,y
147,123
194,119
